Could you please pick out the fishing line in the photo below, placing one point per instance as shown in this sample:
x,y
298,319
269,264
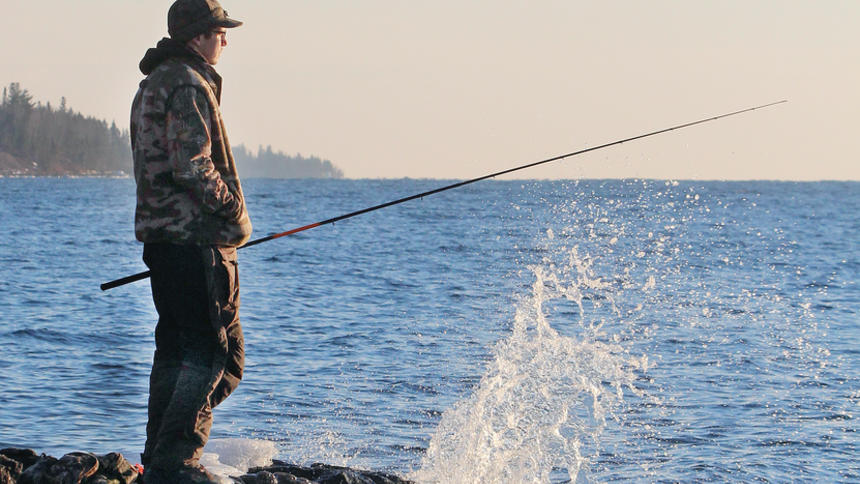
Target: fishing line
x,y
143,275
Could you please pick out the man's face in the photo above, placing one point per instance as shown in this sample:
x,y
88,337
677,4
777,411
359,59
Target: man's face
x,y
211,45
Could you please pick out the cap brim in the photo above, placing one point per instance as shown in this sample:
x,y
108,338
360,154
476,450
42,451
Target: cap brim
x,y
228,23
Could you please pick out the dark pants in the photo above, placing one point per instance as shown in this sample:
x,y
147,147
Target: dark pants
x,y
199,348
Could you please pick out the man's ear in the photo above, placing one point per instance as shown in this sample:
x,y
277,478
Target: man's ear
x,y
195,42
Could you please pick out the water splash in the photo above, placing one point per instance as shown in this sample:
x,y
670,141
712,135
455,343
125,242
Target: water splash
x,y
233,457
538,412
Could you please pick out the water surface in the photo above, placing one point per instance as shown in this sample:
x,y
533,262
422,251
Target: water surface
x,y
507,331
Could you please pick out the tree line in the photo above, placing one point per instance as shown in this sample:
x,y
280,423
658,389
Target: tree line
x,y
270,164
43,140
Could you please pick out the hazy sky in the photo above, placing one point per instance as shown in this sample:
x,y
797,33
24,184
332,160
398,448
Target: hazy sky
x,y
456,89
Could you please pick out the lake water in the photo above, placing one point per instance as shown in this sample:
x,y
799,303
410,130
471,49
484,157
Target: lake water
x,y
507,331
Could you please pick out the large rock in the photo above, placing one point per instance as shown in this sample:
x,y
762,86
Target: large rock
x,y
13,462
24,466
283,473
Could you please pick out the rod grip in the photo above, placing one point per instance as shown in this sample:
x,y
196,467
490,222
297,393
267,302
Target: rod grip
x,y
125,280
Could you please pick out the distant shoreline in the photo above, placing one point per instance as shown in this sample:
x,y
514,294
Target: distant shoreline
x,y
123,175
40,140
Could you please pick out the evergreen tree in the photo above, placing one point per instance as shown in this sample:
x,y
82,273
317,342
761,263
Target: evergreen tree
x,y
46,141
57,142
268,163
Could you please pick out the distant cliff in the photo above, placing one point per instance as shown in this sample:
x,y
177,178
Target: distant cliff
x,y
43,140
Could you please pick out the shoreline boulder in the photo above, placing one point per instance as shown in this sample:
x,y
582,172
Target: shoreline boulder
x,y
24,466
284,473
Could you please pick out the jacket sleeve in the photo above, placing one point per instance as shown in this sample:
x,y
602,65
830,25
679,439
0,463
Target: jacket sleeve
x,y
189,148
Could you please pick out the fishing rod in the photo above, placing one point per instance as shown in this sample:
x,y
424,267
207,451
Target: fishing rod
x,y
143,275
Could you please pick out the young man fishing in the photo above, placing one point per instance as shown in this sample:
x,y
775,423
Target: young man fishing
x,y
191,217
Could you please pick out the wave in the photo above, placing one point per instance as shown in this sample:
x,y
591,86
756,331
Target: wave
x,y
540,409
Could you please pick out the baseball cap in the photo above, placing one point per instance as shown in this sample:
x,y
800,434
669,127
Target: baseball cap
x,y
187,19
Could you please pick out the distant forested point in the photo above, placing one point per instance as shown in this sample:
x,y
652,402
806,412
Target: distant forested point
x,y
44,140
269,164
38,139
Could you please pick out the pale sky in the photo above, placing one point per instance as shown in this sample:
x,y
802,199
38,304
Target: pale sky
x,y
457,89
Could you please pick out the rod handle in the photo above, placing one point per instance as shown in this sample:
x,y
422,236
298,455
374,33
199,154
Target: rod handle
x,y
125,280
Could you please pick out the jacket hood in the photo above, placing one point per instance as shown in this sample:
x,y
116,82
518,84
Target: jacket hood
x,y
165,49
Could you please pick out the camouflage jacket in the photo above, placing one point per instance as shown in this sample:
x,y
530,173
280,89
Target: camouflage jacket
x,y
188,190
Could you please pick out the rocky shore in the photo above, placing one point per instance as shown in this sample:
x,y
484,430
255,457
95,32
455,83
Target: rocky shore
x,y
25,466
